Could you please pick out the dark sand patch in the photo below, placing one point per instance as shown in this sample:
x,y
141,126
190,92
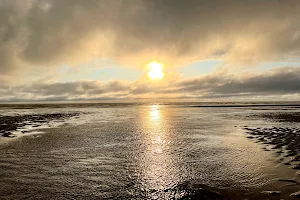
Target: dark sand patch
x,y
292,117
284,141
12,123
265,106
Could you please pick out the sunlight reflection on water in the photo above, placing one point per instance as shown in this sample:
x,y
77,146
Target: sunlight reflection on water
x,y
159,171
154,114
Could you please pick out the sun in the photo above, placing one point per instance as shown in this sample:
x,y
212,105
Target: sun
x,y
155,70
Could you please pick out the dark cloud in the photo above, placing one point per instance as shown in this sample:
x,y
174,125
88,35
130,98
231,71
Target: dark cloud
x,y
285,80
281,83
53,31
73,88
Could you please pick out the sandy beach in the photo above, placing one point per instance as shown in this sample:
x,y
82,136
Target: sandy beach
x,y
146,151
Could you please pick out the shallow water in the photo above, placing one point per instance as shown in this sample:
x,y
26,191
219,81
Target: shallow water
x,y
139,151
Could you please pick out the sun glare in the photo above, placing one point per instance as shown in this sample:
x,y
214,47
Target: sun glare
x,y
155,70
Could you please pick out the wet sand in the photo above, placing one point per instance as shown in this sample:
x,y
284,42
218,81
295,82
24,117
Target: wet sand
x,y
292,117
284,141
8,124
86,161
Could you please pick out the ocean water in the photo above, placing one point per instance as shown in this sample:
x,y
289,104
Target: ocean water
x,y
141,151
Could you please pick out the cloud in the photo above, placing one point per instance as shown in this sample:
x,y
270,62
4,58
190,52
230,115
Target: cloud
x,y
275,82
281,83
51,32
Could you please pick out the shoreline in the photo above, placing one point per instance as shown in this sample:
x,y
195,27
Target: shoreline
x,y
14,126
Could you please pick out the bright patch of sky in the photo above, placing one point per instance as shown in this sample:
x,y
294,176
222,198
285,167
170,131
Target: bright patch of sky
x,y
207,66
199,67
269,65
103,70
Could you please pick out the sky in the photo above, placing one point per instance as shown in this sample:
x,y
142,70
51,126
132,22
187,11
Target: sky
x,y
216,50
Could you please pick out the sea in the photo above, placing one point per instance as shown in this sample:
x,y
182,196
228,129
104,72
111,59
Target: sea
x,y
187,150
